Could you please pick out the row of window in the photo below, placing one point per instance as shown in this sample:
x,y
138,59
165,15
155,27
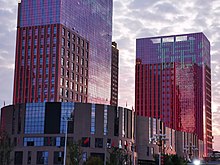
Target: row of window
x,y
73,37
73,67
60,141
41,30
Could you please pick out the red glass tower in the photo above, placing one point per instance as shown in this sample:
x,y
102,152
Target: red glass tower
x,y
63,51
173,83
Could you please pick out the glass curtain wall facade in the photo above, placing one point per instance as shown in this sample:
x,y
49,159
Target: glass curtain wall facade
x,y
173,83
91,21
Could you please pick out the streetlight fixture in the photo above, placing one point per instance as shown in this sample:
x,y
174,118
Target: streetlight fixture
x,y
66,119
189,150
159,139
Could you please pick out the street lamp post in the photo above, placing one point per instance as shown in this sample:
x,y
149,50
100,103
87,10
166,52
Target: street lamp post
x,y
66,119
159,139
189,150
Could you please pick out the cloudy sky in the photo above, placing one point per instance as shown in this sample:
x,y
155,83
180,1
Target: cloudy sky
x,y
132,19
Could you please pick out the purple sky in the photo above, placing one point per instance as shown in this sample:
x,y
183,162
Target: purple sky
x,y
132,19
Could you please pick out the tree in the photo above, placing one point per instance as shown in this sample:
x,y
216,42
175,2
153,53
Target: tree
x,y
94,161
5,148
118,156
74,153
174,160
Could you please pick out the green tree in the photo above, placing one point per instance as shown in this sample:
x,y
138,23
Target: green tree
x,y
74,153
94,161
174,160
118,156
5,148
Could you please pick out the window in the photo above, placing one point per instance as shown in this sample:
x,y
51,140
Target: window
x,y
61,91
58,157
85,142
81,80
66,93
85,90
77,68
67,74
67,84
67,64
48,30
82,43
98,142
18,157
85,82
34,117
81,89
92,129
61,81
63,31
72,66
42,31
120,144
73,57
78,40
109,143
62,61
73,47
71,85
82,52
81,71
76,87
72,76
68,34
77,78
62,71
29,157
63,41
68,54
48,40
55,30
63,52
87,45
86,73
68,44
105,119
49,141
36,32
82,61
42,157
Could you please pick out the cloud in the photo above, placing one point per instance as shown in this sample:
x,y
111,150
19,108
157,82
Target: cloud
x,y
8,16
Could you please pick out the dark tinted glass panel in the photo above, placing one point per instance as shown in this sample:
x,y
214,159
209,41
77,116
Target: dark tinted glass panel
x,y
52,118
18,157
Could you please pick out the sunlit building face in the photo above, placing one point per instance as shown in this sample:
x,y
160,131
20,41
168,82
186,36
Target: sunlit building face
x,y
173,83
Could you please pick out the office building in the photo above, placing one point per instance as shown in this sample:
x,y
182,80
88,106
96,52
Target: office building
x,y
172,142
38,130
173,83
114,74
63,51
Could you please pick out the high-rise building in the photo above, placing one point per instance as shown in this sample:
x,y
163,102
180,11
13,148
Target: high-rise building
x,y
63,51
114,74
173,83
